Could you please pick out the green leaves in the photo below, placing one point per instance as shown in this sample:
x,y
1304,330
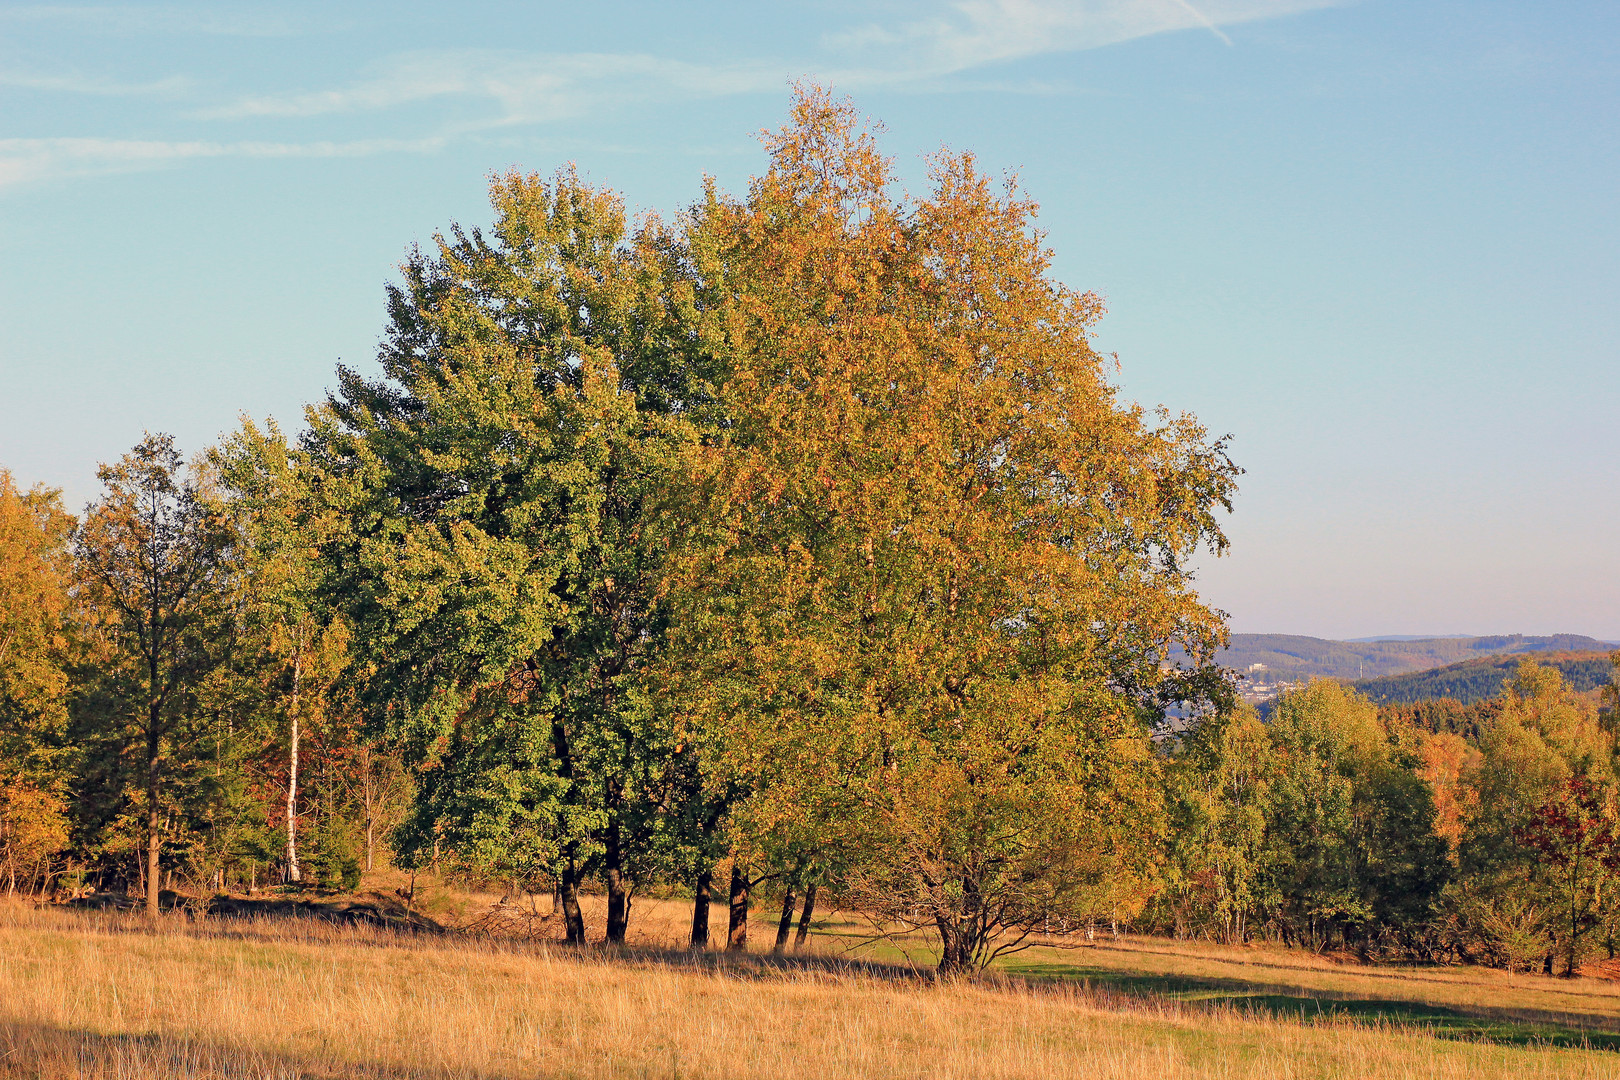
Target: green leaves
x,y
499,561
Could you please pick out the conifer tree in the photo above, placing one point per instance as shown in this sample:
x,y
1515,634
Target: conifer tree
x,y
155,563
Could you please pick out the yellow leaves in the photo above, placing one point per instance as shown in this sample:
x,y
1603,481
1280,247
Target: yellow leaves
x,y
33,827
34,578
1447,764
905,385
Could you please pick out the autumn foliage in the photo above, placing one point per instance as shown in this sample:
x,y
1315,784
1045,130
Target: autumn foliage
x,y
931,567
799,544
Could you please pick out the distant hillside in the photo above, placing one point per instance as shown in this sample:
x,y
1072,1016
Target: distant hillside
x,y
1287,658
1481,679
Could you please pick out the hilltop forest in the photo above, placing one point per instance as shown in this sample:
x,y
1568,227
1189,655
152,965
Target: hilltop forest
x,y
1479,680
1291,658
797,548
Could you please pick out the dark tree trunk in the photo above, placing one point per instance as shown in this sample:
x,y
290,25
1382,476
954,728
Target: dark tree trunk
x,y
573,918
785,927
803,936
737,933
953,949
568,880
618,898
700,909
618,904
618,913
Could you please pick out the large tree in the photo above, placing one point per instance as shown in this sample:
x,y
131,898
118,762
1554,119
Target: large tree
x,y
933,580
497,564
154,564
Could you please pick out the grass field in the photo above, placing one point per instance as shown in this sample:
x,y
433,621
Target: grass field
x,y
111,995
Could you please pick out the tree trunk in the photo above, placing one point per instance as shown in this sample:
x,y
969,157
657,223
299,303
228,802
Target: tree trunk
x,y
785,927
293,874
154,834
803,936
573,918
618,899
953,948
1574,919
737,931
700,908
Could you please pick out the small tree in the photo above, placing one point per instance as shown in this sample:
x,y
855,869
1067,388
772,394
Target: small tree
x,y
154,561
1610,696
33,828
380,788
35,572
301,647
985,855
1539,737
1220,806
1577,832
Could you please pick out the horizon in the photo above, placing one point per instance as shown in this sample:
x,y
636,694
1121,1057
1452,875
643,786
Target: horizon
x,y
1374,639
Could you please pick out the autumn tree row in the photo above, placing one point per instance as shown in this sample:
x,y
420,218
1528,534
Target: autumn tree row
x,y
802,540
1488,833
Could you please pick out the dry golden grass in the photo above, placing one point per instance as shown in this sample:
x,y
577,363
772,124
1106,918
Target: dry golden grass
x,y
112,996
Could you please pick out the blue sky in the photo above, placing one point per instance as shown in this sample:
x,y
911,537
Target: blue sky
x,y
1377,242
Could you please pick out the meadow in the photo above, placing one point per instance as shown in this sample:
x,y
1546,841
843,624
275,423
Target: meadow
x,y
110,994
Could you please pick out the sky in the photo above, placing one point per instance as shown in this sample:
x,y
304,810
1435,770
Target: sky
x,y
1376,242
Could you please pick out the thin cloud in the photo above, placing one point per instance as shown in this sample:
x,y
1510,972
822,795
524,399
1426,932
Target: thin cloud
x,y
928,55
98,87
1210,25
916,55
974,33
118,19
528,87
24,161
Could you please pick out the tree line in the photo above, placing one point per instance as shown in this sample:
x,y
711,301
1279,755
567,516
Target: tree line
x,y
799,543
1481,679
1487,832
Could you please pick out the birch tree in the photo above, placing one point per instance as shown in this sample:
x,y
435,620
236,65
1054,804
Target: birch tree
x,y
303,644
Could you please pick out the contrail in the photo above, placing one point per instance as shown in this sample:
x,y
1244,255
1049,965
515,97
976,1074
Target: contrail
x,y
1201,17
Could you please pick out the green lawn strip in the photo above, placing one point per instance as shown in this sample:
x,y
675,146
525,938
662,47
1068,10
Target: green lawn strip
x,y
1481,1024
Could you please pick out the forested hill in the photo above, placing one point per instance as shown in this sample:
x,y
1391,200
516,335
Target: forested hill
x,y
1481,679
1289,658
